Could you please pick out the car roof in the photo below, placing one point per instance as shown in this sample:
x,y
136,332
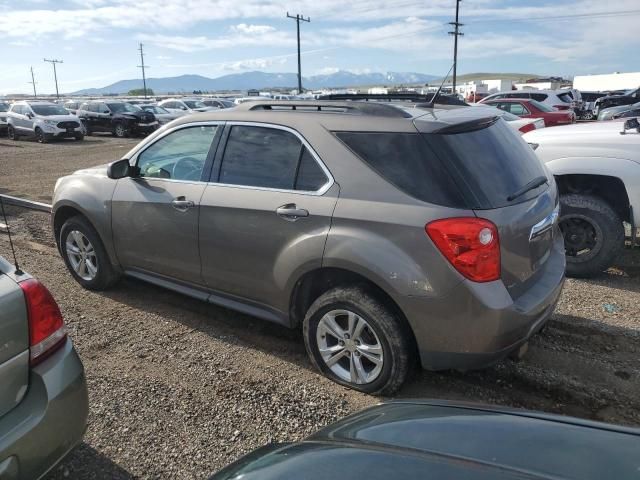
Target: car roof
x,y
440,439
342,115
510,100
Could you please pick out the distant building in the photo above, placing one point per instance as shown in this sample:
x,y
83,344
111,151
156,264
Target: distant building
x,y
378,91
604,83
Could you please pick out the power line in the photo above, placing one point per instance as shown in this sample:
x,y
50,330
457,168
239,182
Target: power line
x,y
143,66
456,33
55,74
298,18
557,17
33,82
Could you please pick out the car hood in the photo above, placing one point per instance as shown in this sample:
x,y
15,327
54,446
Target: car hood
x,y
97,171
59,118
420,439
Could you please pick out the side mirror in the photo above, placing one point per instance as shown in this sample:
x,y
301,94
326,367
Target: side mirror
x,y
631,124
106,111
121,169
29,115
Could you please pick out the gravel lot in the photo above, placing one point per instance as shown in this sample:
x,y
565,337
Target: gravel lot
x,y
179,388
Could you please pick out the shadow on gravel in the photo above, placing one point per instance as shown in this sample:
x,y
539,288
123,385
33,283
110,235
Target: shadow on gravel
x,y
86,462
624,275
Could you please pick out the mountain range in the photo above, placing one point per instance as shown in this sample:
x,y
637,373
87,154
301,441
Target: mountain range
x,y
259,80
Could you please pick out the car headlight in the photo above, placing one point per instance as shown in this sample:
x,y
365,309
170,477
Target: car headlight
x,y
50,122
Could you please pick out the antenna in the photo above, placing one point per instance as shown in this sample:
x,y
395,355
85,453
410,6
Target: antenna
x,y
13,251
432,102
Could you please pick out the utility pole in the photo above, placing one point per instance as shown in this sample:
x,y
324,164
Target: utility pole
x,y
143,66
55,75
456,33
298,18
33,82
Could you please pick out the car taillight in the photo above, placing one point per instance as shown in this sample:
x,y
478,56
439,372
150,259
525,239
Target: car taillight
x,y
561,107
46,327
528,127
470,244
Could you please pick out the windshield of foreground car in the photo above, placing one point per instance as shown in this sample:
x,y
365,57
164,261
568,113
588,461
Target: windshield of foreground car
x,y
541,106
123,107
47,110
194,104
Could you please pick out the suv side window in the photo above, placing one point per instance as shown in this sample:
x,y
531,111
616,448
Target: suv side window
x,y
180,155
540,97
267,157
17,109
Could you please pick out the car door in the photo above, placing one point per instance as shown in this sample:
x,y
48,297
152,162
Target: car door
x,y
103,117
91,117
519,109
155,214
267,215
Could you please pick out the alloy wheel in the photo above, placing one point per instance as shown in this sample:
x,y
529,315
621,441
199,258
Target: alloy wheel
x,y
120,130
582,237
82,255
349,347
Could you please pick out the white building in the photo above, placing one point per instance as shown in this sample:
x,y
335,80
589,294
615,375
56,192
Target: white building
x,y
546,85
602,83
378,91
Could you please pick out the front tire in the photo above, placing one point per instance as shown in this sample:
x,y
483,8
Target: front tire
x,y
357,341
593,234
120,130
40,136
12,134
85,256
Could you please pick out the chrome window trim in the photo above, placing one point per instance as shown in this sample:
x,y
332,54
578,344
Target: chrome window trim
x,y
321,191
138,149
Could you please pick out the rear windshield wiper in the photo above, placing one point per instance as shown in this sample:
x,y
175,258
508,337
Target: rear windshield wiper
x,y
535,183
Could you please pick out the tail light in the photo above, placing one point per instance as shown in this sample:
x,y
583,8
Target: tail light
x,y
528,127
47,332
470,244
561,107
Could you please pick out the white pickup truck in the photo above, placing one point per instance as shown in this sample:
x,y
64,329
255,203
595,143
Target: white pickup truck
x,y
597,169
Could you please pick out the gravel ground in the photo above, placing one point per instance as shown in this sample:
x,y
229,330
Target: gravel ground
x,y
179,388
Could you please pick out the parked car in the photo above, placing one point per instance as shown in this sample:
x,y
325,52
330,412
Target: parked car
x,y
43,394
565,99
184,105
72,106
589,105
413,439
522,125
534,109
627,98
374,228
612,113
474,97
119,118
43,120
238,101
598,175
162,114
218,102
4,108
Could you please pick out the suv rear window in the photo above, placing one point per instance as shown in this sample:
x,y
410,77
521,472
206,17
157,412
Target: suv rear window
x,y
565,97
475,169
539,97
405,160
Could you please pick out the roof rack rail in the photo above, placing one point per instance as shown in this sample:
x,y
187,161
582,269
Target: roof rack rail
x,y
309,106
443,99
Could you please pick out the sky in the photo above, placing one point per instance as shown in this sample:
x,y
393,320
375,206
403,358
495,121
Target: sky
x,y
98,39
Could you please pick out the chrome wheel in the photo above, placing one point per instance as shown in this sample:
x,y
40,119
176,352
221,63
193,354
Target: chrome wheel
x,y
82,255
349,347
120,130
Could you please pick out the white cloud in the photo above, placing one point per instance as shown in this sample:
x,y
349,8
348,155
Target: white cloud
x,y
327,71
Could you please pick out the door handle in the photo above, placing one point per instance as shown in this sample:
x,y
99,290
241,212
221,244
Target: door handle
x,y
291,212
181,204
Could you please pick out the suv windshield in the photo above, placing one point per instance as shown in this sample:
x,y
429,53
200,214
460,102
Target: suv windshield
x,y
194,104
154,109
122,107
46,110
541,106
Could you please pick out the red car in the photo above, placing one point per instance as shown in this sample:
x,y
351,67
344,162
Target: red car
x,y
527,108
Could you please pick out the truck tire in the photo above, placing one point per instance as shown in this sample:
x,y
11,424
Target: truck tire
x,y
357,341
593,234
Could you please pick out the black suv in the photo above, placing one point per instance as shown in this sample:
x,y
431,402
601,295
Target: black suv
x,y
120,118
628,97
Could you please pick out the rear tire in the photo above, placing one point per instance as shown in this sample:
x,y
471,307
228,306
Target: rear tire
x,y
384,332
593,234
75,231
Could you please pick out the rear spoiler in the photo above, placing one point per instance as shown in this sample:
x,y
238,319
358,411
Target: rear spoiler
x,y
469,126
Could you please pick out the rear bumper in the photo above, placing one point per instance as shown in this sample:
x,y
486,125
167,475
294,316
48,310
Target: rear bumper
x,y
49,422
479,323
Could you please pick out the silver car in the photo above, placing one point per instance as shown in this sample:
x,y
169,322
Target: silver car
x,y
42,120
388,235
43,391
